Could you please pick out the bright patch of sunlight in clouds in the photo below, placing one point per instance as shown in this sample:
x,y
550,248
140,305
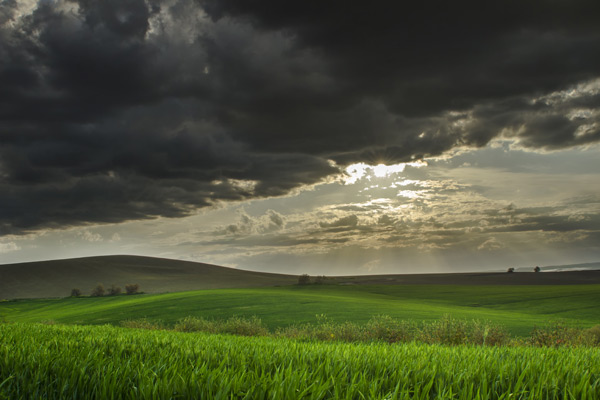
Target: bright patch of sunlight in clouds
x,y
358,171
410,194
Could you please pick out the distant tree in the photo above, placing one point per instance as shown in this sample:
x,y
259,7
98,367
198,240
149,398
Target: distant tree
x,y
114,291
75,292
304,279
537,269
511,270
98,291
132,288
319,280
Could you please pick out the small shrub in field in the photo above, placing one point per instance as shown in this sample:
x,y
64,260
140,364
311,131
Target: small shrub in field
x,y
344,332
114,291
485,333
324,331
446,330
386,328
194,324
143,323
252,326
132,288
299,332
593,335
75,293
348,332
557,334
98,291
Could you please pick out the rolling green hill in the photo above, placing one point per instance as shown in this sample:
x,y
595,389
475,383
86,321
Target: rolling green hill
x,y
519,308
56,278
518,300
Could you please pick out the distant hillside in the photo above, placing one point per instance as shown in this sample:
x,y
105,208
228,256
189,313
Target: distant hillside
x,y
572,267
56,278
158,275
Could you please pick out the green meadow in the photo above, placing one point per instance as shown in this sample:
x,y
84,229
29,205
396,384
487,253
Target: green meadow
x,y
517,308
105,362
80,355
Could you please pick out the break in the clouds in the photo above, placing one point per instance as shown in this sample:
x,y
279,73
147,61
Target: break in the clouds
x,y
118,111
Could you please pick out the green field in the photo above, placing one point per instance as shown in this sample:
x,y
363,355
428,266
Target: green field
x,y
518,308
77,360
56,362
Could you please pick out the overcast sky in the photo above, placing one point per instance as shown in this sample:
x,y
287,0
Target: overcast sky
x,y
320,137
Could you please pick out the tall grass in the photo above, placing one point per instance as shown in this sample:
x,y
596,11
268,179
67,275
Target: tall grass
x,y
57,362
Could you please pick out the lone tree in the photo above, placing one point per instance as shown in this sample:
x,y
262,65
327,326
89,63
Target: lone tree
x,y
511,270
132,288
114,291
75,292
98,291
537,269
304,279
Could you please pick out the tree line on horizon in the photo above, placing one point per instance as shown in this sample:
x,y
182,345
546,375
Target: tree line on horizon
x,y
536,269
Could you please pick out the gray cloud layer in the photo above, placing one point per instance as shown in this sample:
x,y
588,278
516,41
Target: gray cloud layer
x,y
121,110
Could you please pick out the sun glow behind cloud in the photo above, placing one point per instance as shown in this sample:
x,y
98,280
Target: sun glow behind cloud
x,y
358,171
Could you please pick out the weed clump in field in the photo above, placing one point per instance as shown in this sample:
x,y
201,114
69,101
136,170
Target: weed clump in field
x,y
143,323
558,334
235,325
324,330
489,334
593,335
194,324
252,326
451,331
388,329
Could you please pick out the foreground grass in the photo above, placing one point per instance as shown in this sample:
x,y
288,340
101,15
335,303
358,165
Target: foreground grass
x,y
40,361
518,308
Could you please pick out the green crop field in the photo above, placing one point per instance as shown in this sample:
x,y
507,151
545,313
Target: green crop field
x,y
57,362
88,359
518,308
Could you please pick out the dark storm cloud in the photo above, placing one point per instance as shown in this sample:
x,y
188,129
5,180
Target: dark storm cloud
x,y
120,110
399,68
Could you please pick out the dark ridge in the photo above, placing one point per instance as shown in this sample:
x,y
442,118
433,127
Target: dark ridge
x,y
56,278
